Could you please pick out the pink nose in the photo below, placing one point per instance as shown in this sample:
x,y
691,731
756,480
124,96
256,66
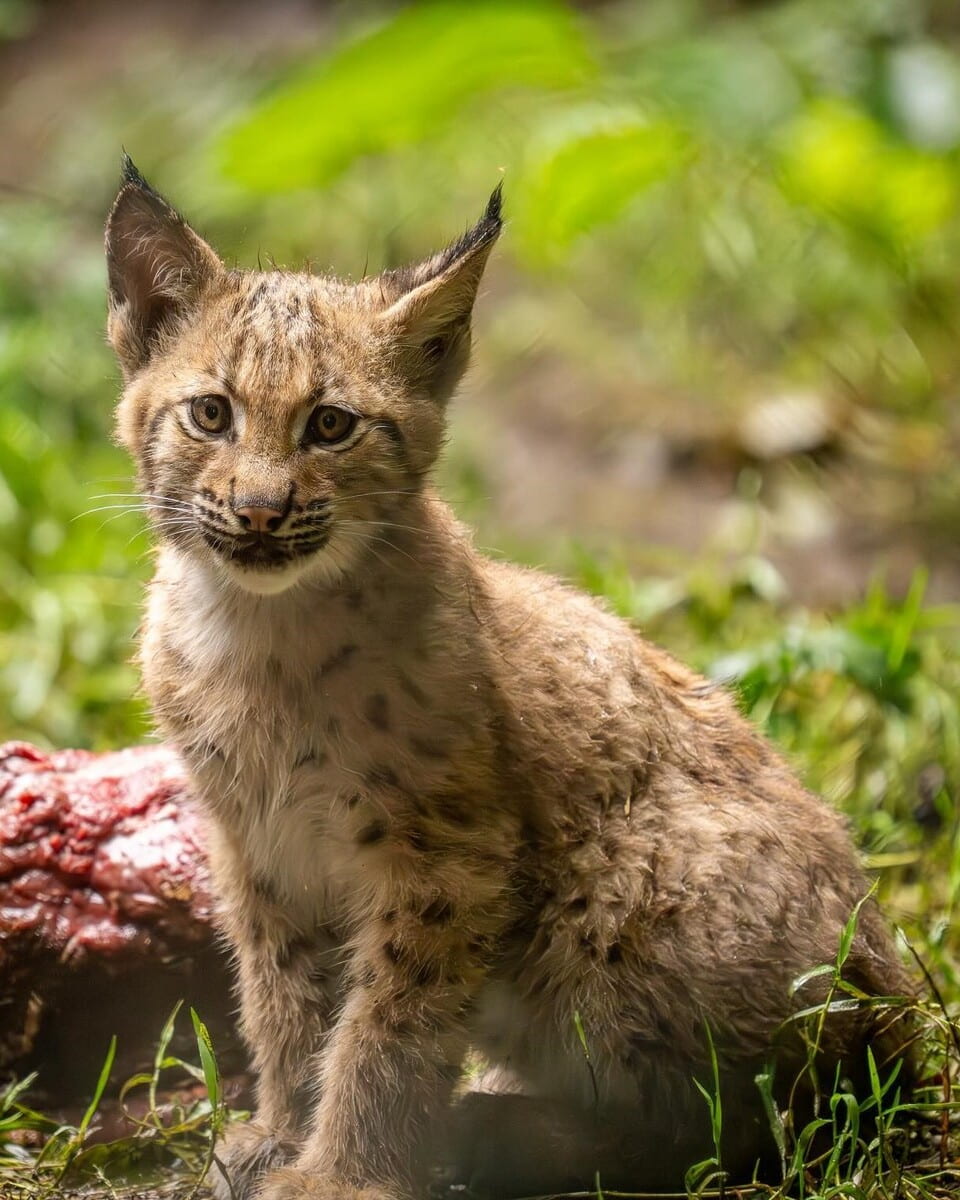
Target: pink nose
x,y
259,519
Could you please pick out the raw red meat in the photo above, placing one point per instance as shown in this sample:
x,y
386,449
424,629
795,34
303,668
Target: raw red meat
x,y
106,916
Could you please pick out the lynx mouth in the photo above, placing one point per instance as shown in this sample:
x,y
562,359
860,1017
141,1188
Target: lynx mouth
x,y
263,551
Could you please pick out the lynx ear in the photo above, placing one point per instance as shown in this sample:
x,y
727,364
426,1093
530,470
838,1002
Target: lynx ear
x,y
429,307
156,266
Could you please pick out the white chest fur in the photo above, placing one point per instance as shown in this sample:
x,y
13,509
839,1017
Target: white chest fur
x,y
295,712
253,709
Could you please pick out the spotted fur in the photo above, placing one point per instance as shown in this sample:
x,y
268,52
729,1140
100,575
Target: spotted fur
x,y
453,803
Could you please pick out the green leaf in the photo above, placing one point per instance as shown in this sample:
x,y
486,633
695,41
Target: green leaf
x,y
813,973
907,619
160,1057
399,84
764,1082
590,176
839,161
15,1091
98,1090
581,1035
849,931
211,1073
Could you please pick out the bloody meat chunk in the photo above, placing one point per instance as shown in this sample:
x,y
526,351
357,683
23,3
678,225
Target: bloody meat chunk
x,y
105,913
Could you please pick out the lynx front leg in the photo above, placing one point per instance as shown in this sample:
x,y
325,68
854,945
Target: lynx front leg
x,y
287,986
389,1068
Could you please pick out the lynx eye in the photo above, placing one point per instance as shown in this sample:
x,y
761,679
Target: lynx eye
x,y
211,413
329,424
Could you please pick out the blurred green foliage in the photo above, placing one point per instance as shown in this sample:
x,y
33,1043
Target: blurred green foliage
x,y
400,84
699,206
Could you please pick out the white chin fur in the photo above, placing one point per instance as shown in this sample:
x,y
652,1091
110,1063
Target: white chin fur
x,y
265,582
268,582
325,568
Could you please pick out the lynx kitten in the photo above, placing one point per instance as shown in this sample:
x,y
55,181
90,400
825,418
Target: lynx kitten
x,y
453,804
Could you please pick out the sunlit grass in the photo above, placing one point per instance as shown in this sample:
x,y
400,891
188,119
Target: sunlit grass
x,y
169,1146
894,1142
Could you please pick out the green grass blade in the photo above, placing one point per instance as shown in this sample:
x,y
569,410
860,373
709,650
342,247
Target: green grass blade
x,y
211,1074
98,1090
160,1058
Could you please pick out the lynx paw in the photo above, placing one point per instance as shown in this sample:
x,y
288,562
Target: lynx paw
x,y
248,1152
290,1184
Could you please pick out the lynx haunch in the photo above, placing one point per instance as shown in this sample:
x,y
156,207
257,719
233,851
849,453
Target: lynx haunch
x,y
454,804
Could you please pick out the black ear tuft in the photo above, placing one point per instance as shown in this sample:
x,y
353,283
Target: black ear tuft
x,y
495,206
485,231
130,174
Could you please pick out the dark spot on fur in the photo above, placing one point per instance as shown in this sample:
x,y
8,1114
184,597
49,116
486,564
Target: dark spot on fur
x,y
393,953
263,889
580,904
354,800
254,298
382,776
437,912
390,916
428,749
338,658
375,832
454,810
427,972
413,690
314,759
743,775
377,711
529,836
293,949
417,838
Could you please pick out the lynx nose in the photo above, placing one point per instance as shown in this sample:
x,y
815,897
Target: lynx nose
x,y
258,518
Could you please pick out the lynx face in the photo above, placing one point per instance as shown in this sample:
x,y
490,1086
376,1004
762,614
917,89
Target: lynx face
x,y
280,421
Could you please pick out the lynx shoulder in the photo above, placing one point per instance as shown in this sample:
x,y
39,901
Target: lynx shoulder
x,y
455,804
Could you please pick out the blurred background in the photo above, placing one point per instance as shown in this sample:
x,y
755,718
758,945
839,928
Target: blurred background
x,y
717,366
